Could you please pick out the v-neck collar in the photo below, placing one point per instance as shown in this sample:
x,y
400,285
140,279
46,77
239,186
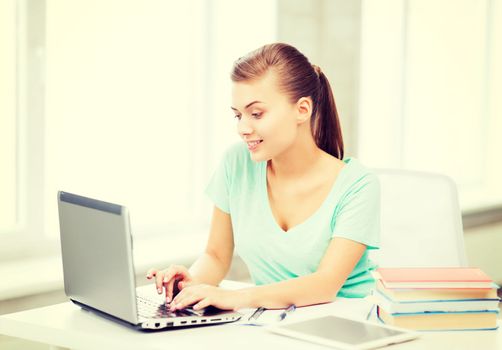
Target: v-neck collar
x,y
320,209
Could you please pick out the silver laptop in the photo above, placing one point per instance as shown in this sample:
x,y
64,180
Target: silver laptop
x,y
96,245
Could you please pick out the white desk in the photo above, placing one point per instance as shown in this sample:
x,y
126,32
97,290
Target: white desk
x,y
66,325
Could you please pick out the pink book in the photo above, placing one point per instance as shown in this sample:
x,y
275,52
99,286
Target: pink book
x,y
434,277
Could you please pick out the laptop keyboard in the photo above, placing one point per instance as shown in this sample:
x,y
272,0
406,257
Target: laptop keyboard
x,y
149,308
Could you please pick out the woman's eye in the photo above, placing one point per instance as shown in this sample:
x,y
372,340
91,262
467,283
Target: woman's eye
x,y
237,116
256,115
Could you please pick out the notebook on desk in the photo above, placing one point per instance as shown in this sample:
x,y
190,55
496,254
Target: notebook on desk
x,y
96,246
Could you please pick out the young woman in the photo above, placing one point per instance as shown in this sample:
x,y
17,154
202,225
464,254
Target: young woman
x,y
300,216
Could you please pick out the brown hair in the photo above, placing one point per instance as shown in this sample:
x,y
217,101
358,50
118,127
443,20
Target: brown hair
x,y
297,78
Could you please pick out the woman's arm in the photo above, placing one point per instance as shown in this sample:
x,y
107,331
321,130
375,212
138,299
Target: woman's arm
x,y
321,286
212,266
209,269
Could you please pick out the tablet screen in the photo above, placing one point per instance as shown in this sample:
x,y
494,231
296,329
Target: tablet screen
x,y
342,330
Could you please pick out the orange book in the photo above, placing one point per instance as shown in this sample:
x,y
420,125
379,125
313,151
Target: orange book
x,y
434,277
437,294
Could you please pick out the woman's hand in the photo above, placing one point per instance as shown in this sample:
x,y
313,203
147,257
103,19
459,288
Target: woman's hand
x,y
203,295
167,278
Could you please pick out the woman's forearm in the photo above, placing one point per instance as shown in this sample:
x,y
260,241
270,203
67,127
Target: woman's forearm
x,y
208,269
312,289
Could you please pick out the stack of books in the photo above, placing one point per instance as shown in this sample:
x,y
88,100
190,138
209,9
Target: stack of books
x,y
436,298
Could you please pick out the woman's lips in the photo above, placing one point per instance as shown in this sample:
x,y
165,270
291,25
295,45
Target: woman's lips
x,y
253,145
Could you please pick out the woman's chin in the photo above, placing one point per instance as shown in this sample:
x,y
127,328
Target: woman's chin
x,y
257,157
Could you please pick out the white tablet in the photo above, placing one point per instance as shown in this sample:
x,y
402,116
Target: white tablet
x,y
344,333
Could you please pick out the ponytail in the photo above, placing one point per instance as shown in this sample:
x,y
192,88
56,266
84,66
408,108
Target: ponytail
x,y
326,124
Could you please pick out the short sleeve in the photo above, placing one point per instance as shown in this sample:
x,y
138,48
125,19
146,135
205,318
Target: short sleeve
x,y
357,217
218,187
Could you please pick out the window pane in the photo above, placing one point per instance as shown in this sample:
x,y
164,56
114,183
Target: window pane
x,y
119,107
445,114
8,131
132,104
429,88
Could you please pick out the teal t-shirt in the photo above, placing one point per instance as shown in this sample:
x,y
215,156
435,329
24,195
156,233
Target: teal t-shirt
x,y
351,210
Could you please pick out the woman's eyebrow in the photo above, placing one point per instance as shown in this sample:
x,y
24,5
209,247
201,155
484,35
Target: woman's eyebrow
x,y
247,106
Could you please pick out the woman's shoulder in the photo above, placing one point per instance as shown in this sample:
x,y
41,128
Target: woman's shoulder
x,y
238,161
236,149
237,153
357,175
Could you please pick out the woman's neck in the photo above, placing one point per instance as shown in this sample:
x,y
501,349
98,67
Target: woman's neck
x,y
299,160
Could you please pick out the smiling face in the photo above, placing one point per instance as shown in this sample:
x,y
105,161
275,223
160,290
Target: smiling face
x,y
266,119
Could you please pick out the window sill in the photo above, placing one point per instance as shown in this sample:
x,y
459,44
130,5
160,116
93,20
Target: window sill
x,y
481,217
31,276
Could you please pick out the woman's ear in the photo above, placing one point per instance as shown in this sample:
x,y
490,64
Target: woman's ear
x,y
303,109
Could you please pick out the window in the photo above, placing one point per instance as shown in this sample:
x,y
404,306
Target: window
x,y
430,74
8,125
135,105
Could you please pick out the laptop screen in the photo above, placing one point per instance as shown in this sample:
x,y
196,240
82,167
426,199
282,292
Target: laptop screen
x,y
97,255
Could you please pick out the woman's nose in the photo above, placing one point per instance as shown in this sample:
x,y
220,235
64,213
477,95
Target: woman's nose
x,y
243,127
